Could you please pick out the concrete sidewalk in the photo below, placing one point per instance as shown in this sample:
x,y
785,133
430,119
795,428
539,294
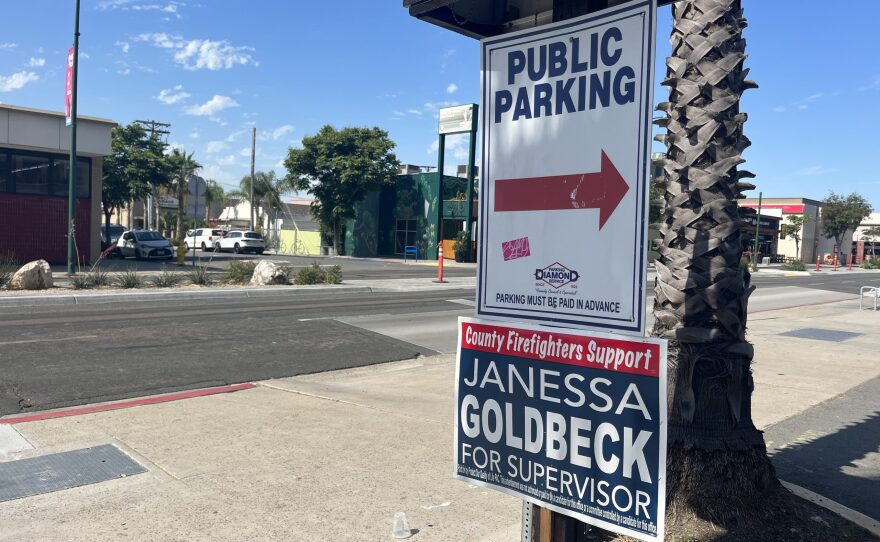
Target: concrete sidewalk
x,y
333,456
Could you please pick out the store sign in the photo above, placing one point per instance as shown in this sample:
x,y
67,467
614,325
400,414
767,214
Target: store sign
x,y
68,93
570,420
457,120
566,152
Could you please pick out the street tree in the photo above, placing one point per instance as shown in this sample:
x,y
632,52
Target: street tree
x,y
720,483
135,167
183,166
268,191
869,235
793,229
842,214
339,168
214,193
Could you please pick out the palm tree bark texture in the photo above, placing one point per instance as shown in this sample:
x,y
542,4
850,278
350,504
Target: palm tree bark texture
x,y
717,465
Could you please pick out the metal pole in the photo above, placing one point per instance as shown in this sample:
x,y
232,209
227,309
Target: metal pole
x,y
195,221
441,152
757,230
71,184
470,186
253,155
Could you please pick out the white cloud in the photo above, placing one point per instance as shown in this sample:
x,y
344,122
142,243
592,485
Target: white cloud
x,y
227,160
813,171
7,46
130,5
195,134
84,55
36,62
245,152
455,144
212,107
452,88
219,174
276,134
124,45
16,80
201,54
415,112
174,145
233,136
171,96
214,147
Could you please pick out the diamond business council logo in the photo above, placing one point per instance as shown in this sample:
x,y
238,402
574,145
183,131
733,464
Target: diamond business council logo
x,y
557,275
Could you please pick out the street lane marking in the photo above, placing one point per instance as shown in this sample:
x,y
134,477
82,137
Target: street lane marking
x,y
29,341
858,518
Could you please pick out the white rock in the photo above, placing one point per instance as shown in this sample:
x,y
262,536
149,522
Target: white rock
x,y
35,275
267,273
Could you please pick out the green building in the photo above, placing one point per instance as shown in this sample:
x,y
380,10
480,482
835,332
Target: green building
x,y
405,214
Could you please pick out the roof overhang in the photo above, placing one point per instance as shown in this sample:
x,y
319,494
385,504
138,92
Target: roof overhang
x,y
486,18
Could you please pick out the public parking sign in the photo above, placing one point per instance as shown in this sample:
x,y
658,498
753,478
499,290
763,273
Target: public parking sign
x,y
566,140
570,420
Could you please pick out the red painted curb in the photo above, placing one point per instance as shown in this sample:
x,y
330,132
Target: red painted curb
x,y
116,405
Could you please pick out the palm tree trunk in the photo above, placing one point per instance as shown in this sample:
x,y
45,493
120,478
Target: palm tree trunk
x,y
717,466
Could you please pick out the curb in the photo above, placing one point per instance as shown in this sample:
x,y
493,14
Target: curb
x,y
219,293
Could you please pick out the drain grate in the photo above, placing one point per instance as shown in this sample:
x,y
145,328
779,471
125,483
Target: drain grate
x,y
820,334
54,472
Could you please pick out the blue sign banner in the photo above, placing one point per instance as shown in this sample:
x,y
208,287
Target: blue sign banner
x,y
568,420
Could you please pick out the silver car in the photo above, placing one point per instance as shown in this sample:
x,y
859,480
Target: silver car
x,y
145,244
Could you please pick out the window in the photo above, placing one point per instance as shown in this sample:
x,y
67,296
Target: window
x,y
4,172
252,235
30,174
197,233
61,177
234,235
405,236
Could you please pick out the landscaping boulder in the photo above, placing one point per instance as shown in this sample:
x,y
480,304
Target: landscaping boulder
x,y
35,275
267,273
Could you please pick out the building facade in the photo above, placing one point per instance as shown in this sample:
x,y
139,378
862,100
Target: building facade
x,y
34,173
406,214
813,244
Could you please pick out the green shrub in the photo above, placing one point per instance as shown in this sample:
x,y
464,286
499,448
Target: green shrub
x,y
867,264
315,274
333,275
239,272
129,279
312,274
199,276
8,266
796,265
167,279
82,282
99,277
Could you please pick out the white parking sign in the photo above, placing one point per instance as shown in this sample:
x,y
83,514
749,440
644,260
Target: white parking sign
x,y
566,149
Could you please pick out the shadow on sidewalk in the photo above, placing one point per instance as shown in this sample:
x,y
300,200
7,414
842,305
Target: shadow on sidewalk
x,y
834,465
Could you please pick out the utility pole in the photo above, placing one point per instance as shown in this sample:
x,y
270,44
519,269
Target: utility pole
x,y
71,182
441,154
154,127
253,156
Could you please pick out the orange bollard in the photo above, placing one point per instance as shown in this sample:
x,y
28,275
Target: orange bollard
x,y
850,262
440,264
818,263
835,261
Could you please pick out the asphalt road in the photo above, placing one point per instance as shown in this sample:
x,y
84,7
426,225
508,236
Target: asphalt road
x,y
52,357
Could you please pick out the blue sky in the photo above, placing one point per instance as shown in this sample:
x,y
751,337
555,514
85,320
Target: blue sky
x,y
216,68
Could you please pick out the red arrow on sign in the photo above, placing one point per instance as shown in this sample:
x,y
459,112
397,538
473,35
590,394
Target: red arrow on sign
x,y
603,190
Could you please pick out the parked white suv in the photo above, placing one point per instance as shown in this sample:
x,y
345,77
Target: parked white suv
x,y
241,241
203,238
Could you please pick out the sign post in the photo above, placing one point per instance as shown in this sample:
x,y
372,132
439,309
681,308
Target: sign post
x,y
457,120
566,140
569,420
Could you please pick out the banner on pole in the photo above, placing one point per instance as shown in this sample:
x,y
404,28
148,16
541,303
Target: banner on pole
x,y
569,420
68,93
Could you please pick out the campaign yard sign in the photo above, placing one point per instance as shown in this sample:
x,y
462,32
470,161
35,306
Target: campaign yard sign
x,y
566,149
569,420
